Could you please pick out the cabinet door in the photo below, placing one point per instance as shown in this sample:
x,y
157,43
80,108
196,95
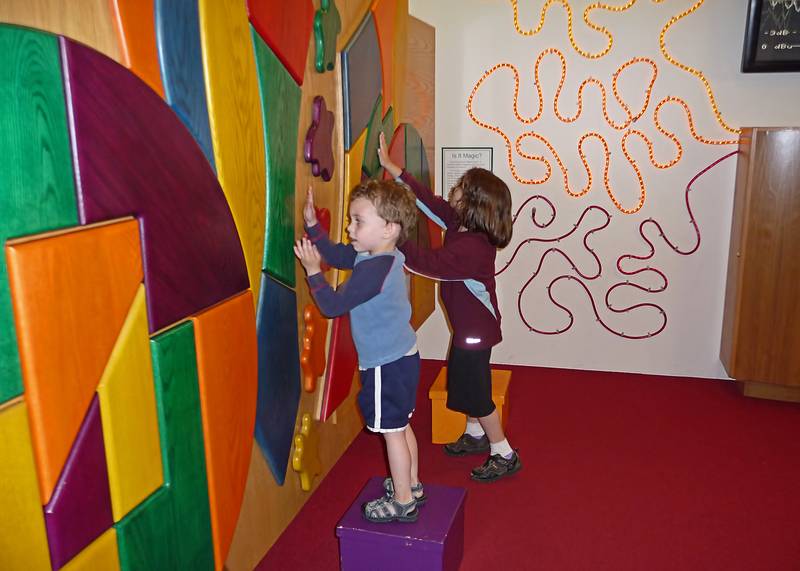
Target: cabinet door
x,y
761,335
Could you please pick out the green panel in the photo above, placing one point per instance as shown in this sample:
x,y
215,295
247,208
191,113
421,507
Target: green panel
x,y
180,422
371,165
37,192
280,107
147,537
415,155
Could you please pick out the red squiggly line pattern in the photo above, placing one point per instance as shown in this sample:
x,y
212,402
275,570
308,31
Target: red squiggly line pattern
x,y
627,283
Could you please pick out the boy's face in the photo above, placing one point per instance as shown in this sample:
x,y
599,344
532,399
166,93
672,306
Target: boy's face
x,y
369,232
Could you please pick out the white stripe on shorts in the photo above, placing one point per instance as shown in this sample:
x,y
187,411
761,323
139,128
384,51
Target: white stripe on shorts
x,y
377,394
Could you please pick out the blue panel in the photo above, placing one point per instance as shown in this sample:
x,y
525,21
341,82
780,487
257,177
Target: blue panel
x,y
278,374
180,57
361,79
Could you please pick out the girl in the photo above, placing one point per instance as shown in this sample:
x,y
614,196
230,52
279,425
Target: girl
x,y
477,218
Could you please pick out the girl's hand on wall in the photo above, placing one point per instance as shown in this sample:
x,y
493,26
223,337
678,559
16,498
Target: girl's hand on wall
x,y
383,158
309,214
308,255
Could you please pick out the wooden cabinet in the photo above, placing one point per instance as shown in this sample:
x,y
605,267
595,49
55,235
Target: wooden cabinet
x,y
761,324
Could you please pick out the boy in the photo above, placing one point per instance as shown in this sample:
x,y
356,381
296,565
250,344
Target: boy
x,y
381,215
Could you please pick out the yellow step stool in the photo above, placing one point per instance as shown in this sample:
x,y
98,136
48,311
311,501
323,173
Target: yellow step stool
x,y
447,425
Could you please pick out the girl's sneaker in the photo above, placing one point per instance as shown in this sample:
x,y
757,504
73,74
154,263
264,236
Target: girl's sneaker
x,y
467,444
385,510
417,491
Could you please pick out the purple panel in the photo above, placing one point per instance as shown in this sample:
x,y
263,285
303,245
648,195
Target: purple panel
x,y
80,508
318,147
435,541
134,157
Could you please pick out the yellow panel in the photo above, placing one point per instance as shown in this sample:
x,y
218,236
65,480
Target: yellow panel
x,y
88,21
353,159
101,555
237,131
128,410
23,541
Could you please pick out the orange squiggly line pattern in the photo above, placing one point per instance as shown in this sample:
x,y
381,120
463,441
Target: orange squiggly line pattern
x,y
630,118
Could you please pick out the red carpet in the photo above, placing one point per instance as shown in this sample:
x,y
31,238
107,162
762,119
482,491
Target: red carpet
x,y
620,472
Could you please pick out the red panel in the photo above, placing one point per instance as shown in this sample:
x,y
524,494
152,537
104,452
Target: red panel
x,y
286,28
342,365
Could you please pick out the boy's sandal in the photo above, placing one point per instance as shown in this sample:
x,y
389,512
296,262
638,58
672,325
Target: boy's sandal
x,y
417,491
385,510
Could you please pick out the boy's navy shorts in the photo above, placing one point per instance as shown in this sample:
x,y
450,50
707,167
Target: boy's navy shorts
x,y
389,393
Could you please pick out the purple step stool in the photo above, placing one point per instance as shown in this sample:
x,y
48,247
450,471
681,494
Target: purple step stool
x,y
434,542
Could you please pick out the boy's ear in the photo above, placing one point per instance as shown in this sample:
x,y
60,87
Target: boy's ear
x,y
392,230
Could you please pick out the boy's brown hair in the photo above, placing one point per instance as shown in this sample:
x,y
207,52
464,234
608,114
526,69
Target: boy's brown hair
x,y
393,202
485,205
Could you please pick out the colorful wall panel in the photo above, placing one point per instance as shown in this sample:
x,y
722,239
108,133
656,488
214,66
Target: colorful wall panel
x,y
132,443
135,23
101,554
237,131
280,104
36,172
148,164
80,508
278,375
181,60
143,161
361,79
23,541
286,28
227,364
182,447
66,336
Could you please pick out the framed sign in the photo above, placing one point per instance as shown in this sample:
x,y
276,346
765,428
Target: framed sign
x,y
772,37
458,160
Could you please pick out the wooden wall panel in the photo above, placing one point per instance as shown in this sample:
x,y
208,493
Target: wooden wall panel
x,y
37,192
280,105
762,309
226,351
420,86
135,157
136,29
128,409
66,336
89,21
237,131
23,541
181,59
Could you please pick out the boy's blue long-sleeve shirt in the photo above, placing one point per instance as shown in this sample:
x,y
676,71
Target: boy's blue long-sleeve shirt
x,y
375,296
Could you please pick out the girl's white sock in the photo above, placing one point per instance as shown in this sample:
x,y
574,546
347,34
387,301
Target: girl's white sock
x,y
503,448
474,429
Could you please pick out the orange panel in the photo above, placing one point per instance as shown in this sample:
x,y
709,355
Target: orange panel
x,y
71,292
312,357
384,12
136,28
227,363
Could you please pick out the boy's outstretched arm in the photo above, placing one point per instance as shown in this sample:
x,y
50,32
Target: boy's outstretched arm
x,y
338,255
365,282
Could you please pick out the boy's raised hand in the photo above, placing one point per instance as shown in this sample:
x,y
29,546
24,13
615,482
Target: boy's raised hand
x,y
308,255
385,160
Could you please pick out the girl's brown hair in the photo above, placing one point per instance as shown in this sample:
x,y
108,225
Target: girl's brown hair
x,y
485,205
393,202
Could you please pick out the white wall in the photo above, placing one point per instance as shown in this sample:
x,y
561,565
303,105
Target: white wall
x,y
474,35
